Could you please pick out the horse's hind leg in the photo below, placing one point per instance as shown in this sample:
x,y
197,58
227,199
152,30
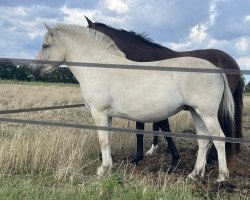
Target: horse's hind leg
x,y
164,125
201,129
212,155
213,126
139,144
154,146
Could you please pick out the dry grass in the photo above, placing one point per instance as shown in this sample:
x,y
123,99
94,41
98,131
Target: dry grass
x,y
66,154
247,104
62,152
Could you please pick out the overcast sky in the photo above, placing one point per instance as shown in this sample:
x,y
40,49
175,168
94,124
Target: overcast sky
x,y
177,24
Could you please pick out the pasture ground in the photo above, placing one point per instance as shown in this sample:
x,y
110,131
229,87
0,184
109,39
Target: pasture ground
x,y
56,163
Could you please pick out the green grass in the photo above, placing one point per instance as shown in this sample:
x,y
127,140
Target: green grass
x,y
114,187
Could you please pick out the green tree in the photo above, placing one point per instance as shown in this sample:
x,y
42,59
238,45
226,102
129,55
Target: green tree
x,y
59,75
22,73
243,81
7,72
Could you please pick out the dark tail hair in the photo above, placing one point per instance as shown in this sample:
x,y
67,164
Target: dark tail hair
x,y
226,116
238,102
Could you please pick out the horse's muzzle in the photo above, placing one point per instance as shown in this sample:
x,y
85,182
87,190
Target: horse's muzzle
x,y
34,68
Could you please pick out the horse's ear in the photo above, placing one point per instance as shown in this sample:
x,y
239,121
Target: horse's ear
x,y
90,23
50,30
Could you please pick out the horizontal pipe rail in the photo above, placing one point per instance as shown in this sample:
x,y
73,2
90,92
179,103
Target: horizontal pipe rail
x,y
127,130
118,66
13,111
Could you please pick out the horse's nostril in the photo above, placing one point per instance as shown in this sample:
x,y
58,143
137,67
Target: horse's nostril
x,y
34,69
36,72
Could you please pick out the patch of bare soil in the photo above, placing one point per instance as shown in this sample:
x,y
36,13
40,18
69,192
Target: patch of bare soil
x,y
239,178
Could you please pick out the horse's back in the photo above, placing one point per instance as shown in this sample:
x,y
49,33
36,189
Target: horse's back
x,y
220,59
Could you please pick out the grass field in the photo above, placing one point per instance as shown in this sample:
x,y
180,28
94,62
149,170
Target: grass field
x,y
56,163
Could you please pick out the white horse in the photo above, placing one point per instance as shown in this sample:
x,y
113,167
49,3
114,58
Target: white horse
x,y
121,92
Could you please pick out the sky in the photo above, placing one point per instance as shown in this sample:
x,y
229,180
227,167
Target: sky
x,y
177,24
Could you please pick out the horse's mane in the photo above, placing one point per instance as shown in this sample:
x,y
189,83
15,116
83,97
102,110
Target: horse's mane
x,y
101,40
144,37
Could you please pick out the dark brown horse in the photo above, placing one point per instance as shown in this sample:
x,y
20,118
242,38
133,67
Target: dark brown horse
x,y
138,47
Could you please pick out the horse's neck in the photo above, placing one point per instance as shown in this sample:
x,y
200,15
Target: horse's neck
x,y
90,53
139,50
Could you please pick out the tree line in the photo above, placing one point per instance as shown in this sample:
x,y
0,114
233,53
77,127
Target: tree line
x,y
60,75
23,73
247,87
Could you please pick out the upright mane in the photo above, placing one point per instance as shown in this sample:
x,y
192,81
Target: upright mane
x,y
99,39
144,37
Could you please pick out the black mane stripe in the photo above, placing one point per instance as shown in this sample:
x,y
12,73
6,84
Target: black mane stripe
x,y
144,37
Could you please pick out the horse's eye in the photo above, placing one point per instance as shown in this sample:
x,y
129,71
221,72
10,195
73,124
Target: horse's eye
x,y
45,46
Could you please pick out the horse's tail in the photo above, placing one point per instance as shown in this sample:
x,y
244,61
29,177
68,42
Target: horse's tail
x,y
238,101
226,116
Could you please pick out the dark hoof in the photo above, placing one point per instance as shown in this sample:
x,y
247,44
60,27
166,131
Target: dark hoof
x,y
171,169
137,159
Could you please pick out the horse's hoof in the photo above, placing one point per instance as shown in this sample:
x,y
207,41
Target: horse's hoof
x,y
192,177
104,170
100,172
136,160
171,169
223,175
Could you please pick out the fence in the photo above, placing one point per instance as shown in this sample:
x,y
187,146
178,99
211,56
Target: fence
x,y
120,130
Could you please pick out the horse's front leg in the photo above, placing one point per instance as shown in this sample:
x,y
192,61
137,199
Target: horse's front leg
x,y
139,146
155,143
104,141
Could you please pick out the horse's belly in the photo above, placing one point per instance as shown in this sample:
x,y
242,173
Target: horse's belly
x,y
146,111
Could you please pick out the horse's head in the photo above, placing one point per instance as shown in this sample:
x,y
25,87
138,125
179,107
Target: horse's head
x,y
52,50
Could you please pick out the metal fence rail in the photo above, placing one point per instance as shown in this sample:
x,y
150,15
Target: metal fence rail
x,y
117,66
3,112
127,130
